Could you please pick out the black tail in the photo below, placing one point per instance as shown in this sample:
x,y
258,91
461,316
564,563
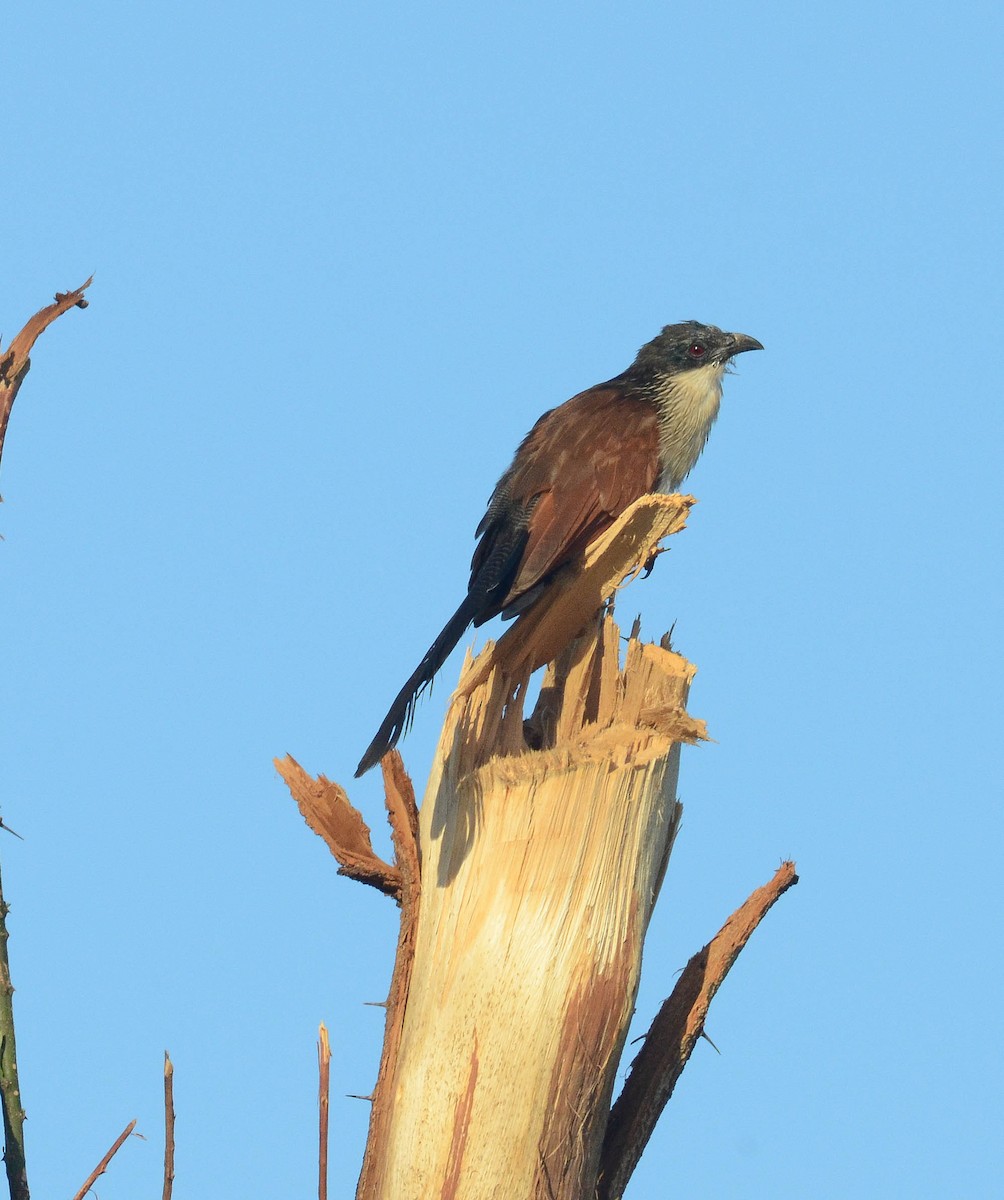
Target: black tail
x,y
403,708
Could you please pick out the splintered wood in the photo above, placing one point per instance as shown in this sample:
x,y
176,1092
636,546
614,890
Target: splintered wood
x,y
326,809
544,844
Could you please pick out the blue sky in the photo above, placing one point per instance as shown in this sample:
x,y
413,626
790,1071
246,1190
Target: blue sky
x,y
344,257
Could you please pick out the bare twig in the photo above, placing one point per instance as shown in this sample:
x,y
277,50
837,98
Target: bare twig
x,y
329,813
103,1164
10,1088
168,1126
323,1091
14,361
673,1035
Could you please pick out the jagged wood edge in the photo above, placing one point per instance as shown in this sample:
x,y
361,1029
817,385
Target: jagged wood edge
x,y
326,808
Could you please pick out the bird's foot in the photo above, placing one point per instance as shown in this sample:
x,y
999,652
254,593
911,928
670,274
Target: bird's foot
x,y
650,561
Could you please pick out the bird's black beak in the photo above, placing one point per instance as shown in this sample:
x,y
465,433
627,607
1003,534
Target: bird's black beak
x,y
738,342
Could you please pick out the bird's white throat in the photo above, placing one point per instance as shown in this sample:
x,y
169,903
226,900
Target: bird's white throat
x,y
688,404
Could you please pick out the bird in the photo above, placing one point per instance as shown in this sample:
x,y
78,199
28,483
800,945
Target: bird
x,y
575,472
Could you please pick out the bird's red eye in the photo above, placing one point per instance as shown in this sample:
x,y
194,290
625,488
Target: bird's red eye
x,y
696,350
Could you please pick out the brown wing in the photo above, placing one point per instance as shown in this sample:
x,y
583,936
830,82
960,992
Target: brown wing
x,y
580,466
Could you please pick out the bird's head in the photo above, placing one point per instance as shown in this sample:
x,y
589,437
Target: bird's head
x,y
691,346
681,372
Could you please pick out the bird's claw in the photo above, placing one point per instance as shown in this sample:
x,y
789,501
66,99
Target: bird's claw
x,y
650,561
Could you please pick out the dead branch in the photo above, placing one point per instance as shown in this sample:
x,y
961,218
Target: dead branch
x,y
14,365
673,1035
168,1127
14,361
103,1164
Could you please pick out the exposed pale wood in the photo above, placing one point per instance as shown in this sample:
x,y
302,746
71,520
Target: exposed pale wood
x,y
539,871
526,887
323,1092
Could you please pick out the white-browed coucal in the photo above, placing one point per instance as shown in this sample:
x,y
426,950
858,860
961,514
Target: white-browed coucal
x,y
576,471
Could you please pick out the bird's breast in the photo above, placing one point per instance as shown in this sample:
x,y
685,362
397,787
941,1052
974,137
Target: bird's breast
x,y
688,404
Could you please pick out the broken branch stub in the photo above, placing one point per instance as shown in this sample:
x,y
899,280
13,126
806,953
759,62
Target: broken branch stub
x,y
329,813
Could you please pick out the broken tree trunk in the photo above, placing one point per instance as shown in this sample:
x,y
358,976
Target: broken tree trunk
x,y
540,871
544,845
526,884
